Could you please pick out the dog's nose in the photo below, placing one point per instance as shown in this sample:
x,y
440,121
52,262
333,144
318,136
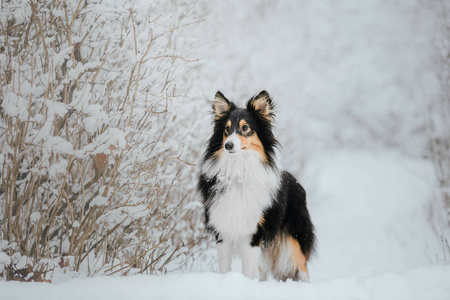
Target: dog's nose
x,y
229,146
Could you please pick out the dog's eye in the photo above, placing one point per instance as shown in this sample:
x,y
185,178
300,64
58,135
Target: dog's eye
x,y
245,128
227,128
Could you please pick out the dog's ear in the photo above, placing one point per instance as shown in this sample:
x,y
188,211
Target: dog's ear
x,y
221,105
262,104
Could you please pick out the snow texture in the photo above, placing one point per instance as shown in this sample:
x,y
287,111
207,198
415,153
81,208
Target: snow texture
x,y
350,81
421,283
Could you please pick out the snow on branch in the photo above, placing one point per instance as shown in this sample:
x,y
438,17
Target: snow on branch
x,y
88,160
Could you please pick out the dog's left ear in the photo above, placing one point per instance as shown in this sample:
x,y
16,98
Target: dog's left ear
x,y
262,104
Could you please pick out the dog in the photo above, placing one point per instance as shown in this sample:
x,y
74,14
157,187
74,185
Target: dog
x,y
252,206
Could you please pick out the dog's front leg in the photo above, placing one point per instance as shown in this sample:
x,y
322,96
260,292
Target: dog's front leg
x,y
250,259
225,256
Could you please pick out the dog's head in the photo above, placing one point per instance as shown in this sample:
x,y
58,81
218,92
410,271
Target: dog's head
x,y
237,130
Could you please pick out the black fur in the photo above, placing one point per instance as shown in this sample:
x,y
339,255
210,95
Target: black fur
x,y
206,188
288,213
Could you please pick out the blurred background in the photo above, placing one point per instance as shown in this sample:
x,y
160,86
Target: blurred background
x,y
362,114
119,94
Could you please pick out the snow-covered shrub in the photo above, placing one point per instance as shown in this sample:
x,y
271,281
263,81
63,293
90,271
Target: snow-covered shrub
x,y
89,151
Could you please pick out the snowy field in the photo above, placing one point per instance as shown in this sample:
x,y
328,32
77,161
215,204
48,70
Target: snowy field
x,y
350,81
421,283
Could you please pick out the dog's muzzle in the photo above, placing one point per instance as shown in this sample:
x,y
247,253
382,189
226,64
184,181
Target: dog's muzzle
x,y
233,144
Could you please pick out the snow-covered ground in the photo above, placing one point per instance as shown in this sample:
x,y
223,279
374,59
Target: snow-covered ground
x,y
421,283
351,81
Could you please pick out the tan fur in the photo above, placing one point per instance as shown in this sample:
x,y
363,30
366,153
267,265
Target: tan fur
x,y
219,152
275,256
261,104
247,142
261,221
229,126
220,106
251,142
298,257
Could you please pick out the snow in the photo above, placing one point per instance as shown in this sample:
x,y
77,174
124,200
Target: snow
x,y
4,260
56,143
15,105
420,283
99,201
371,213
349,82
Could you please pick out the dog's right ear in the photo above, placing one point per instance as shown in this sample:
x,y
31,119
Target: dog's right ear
x,y
221,105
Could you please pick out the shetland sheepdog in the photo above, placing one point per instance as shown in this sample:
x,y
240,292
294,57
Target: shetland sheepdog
x,y
253,207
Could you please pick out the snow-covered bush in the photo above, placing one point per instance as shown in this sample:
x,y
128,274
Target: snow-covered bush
x,y
89,143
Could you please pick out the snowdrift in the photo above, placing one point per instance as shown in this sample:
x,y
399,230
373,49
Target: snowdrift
x,y
421,283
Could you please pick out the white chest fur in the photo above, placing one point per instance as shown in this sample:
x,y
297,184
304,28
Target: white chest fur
x,y
245,187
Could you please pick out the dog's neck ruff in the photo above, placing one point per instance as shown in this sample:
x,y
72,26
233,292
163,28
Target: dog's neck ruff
x,y
245,187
